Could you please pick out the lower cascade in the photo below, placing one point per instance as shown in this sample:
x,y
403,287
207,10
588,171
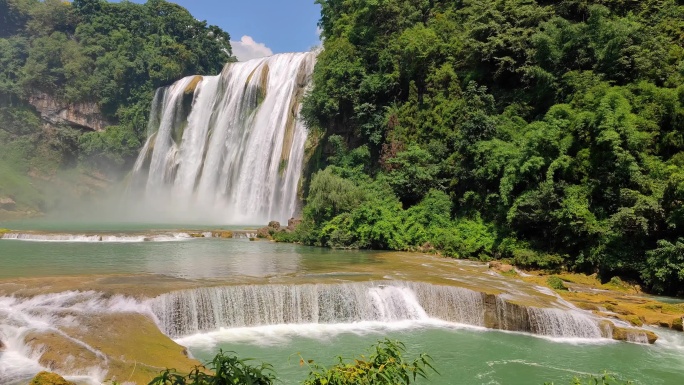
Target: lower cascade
x,y
228,147
29,325
200,310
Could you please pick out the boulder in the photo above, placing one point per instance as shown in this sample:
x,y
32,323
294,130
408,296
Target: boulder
x,y
47,378
500,266
275,225
2,346
678,324
7,204
292,223
632,334
264,232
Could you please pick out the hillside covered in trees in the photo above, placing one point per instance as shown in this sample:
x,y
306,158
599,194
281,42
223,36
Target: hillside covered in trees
x,y
95,58
549,133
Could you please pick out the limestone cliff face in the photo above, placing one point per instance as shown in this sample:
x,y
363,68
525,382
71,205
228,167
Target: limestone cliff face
x,y
85,115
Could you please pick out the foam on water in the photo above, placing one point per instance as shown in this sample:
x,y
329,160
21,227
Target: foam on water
x,y
95,238
20,317
283,334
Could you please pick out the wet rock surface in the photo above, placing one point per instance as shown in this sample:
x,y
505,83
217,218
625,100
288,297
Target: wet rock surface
x,y
47,378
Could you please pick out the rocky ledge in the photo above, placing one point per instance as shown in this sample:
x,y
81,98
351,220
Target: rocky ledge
x,y
614,300
85,115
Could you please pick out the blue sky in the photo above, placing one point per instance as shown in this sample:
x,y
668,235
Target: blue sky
x,y
260,27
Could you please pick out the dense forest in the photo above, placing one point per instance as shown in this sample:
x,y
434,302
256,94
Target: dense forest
x,y
111,55
548,133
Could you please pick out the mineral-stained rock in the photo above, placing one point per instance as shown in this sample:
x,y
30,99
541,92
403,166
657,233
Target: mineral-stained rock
x,y
628,334
222,234
2,346
140,352
500,266
678,324
47,378
192,86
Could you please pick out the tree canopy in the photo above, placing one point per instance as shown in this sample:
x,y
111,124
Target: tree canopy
x,y
550,133
112,54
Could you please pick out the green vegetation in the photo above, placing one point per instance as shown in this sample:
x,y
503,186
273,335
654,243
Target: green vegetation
x,y
547,133
384,366
556,283
224,369
90,52
605,379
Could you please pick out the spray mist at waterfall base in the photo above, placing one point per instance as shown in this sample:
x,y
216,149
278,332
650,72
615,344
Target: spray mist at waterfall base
x,y
121,210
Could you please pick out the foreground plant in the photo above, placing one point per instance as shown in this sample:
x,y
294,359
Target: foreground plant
x,y
385,366
604,379
224,369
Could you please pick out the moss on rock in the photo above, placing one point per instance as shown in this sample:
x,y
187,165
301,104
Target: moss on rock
x,y
678,324
47,378
224,234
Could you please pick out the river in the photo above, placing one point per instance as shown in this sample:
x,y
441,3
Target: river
x,y
158,273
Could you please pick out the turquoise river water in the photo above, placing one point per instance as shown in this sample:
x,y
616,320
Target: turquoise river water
x,y
462,354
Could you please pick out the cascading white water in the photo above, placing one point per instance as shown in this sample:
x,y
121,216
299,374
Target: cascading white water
x,y
562,323
552,322
193,311
204,310
229,148
20,318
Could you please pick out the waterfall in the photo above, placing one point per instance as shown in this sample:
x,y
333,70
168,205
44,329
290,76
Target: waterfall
x,y
229,147
551,322
188,312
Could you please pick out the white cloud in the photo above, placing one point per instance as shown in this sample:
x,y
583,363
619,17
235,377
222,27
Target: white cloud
x,y
247,49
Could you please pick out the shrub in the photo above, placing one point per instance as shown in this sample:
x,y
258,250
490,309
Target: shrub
x,y
331,195
522,255
469,239
227,370
385,366
605,379
556,283
664,270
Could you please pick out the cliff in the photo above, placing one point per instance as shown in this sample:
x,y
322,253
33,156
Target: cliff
x,y
84,115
